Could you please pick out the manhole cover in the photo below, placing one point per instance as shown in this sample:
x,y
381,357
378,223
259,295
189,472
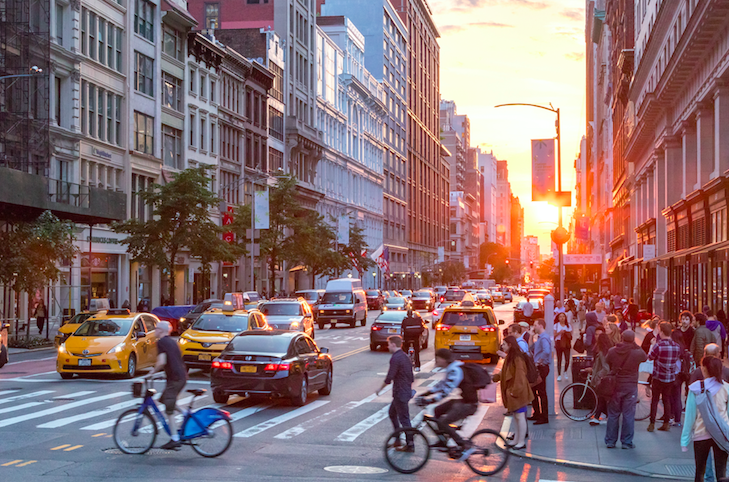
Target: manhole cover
x,y
683,469
151,452
354,469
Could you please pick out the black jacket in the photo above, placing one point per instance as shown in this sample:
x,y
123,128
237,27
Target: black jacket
x,y
629,356
400,375
412,327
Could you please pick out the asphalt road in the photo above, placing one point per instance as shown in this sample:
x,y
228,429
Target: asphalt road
x,y
53,429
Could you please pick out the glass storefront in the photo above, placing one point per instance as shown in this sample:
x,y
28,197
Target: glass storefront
x,y
104,281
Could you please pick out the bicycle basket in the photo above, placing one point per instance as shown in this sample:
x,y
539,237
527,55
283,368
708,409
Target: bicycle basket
x,y
137,389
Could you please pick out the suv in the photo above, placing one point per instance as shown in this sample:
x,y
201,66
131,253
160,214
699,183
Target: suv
x,y
289,314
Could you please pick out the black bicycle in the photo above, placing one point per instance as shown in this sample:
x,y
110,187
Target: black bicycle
x,y
487,455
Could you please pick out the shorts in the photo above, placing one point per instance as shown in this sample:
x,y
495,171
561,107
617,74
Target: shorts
x,y
521,410
169,396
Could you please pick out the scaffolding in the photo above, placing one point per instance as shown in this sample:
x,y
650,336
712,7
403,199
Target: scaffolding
x,y
25,48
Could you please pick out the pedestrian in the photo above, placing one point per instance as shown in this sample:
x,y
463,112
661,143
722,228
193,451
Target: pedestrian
x,y
515,330
40,316
650,335
590,338
516,393
542,353
562,344
581,313
621,320
632,313
558,307
702,337
702,430
526,333
717,328
624,360
600,311
612,329
665,354
599,369
712,349
617,303
400,375
685,323
412,331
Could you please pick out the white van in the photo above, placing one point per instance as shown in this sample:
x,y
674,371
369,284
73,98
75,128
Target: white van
x,y
344,301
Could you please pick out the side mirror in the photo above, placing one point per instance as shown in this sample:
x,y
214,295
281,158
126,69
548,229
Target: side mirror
x,y
501,322
141,334
323,350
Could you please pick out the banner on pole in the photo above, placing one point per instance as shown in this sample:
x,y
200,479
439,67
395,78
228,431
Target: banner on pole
x,y
441,254
261,212
542,169
343,229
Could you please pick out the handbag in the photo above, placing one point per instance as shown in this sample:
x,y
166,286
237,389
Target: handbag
x,y
580,345
607,384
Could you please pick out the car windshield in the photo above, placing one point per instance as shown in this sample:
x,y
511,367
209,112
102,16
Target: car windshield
x,y
202,307
395,301
455,295
260,344
421,294
337,298
80,318
406,292
252,295
392,316
465,319
373,293
308,295
113,327
221,322
275,309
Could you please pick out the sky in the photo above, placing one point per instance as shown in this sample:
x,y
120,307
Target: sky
x,y
506,51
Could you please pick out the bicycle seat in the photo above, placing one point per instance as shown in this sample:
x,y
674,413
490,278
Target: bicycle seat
x,y
456,426
197,391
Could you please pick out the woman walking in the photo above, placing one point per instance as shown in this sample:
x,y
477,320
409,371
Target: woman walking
x,y
40,316
516,393
600,368
563,344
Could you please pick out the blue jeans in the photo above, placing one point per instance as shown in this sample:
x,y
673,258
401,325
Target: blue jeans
x,y
623,402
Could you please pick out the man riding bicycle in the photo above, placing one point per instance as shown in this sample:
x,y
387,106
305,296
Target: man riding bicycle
x,y
412,330
169,358
455,409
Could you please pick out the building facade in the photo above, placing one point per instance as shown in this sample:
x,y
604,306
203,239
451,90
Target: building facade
x,y
487,166
503,204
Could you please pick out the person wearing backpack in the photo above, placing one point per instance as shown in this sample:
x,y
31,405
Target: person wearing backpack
x,y
706,421
516,392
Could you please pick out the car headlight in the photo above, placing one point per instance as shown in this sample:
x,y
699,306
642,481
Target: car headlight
x,y
62,348
294,325
182,319
117,349
182,340
348,311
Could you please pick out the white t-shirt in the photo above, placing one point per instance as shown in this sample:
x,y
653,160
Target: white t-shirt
x,y
559,330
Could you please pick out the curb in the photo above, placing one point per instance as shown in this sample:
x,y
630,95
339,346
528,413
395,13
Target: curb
x,y
597,467
18,351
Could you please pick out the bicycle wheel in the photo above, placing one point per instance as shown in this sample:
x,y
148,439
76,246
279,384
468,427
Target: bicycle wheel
x,y
403,461
578,401
643,408
491,454
217,440
134,432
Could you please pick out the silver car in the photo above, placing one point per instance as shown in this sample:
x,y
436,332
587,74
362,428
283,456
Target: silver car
x,y
289,314
389,323
396,303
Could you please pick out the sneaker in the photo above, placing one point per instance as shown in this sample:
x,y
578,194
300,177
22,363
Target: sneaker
x,y
651,427
566,376
171,445
559,378
676,424
594,422
417,369
603,422
610,446
628,446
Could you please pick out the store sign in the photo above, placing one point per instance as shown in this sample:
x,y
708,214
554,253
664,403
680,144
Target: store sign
x,y
571,259
228,220
99,153
649,251
102,240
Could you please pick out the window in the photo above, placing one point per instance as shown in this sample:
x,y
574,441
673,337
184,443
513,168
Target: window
x,y
172,92
172,147
213,135
92,110
276,124
117,116
172,42
202,134
57,92
100,114
110,117
212,15
110,59
278,82
144,19
275,159
193,74
84,105
118,50
59,24
99,38
143,133
203,82
102,43
140,209
212,90
192,130
144,74
92,35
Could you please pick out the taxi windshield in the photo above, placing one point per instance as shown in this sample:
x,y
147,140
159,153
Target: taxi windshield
x,y
273,309
465,319
114,327
337,298
220,322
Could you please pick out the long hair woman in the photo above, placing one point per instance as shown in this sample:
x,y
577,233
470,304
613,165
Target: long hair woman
x,y
516,393
694,428
562,344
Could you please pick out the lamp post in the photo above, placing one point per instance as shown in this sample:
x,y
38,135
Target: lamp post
x,y
559,235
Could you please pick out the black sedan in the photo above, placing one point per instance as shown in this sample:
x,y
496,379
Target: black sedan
x,y
278,364
390,323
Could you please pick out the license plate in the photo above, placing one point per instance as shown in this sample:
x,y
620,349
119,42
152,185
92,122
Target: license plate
x,y
392,330
204,357
465,338
84,362
248,369
334,321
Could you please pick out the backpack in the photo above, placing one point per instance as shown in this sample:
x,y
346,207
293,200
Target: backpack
x,y
532,373
717,335
476,376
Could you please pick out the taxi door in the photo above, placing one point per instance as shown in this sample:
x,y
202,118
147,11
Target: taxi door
x,y
149,347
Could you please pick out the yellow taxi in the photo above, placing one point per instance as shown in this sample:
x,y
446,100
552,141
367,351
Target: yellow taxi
x,y
98,306
116,342
211,333
470,331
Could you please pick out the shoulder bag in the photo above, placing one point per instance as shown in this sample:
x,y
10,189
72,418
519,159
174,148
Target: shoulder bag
x,y
607,384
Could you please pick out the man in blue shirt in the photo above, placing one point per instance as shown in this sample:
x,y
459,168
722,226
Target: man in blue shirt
x,y
400,375
542,353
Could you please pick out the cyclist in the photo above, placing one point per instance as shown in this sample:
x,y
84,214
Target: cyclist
x,y
412,330
455,409
169,358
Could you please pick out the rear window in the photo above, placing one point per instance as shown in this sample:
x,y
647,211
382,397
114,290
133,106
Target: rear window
x,y
421,294
393,316
395,301
337,298
291,309
373,293
465,319
308,295
261,344
253,296
454,295
534,303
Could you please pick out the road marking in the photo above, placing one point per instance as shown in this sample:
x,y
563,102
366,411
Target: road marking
x,y
68,406
61,447
20,407
26,463
83,416
350,353
255,430
26,395
5,392
112,422
352,433
99,434
474,421
36,360
11,463
72,448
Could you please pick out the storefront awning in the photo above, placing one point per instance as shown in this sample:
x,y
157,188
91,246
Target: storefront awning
x,y
721,251
625,261
682,256
614,264
634,262
297,268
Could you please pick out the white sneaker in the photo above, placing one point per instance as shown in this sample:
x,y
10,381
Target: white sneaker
x,y
417,369
566,376
559,378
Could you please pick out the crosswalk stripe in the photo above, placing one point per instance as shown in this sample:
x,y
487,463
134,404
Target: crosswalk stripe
x,y
20,407
26,463
26,395
5,392
473,422
255,430
247,412
62,408
112,422
12,462
83,416
352,433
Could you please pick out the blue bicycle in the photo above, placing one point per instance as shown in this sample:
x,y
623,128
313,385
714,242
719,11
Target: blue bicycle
x,y
208,430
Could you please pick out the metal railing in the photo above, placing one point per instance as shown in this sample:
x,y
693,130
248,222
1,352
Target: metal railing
x,y
68,193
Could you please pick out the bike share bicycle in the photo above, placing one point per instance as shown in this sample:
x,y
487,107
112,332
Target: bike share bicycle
x,y
208,430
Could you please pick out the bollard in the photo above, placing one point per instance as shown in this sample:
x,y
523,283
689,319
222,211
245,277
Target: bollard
x,y
549,320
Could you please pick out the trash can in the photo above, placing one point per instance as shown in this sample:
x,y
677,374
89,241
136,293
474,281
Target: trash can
x,y
579,363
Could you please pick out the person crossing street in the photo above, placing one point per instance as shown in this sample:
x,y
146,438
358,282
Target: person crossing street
x,y
400,375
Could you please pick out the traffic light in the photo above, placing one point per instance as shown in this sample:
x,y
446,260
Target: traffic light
x,y
507,261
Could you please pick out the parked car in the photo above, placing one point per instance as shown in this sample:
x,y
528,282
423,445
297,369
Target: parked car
x,y
389,323
375,300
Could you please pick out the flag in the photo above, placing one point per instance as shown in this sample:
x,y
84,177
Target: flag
x,y
261,212
383,260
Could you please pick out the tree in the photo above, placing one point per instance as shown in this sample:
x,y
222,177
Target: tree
x,y
181,220
498,257
452,272
315,247
352,252
547,271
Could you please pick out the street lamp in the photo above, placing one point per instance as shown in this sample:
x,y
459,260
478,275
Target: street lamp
x,y
562,199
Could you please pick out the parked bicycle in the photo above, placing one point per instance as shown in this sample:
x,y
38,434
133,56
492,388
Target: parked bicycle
x,y
208,430
578,401
489,451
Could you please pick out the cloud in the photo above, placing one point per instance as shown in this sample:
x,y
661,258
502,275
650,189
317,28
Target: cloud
x,y
530,4
575,56
451,29
574,13
490,24
469,5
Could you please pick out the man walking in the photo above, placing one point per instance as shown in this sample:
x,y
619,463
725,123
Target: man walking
x,y
400,375
702,337
624,360
632,313
542,356
600,311
666,353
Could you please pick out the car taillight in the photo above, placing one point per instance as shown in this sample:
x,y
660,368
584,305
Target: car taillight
x,y
442,327
376,327
218,364
276,367
487,328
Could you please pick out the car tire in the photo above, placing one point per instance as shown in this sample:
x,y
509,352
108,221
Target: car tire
x,y
353,323
299,400
321,325
220,397
373,347
327,388
66,376
131,366
425,345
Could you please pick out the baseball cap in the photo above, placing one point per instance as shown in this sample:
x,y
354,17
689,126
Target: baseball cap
x,y
524,324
